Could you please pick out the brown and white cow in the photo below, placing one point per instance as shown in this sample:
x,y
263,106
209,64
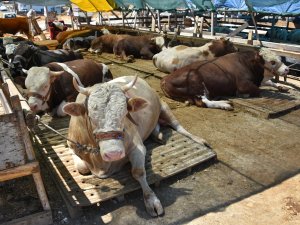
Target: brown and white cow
x,y
105,43
235,74
176,57
50,87
139,46
115,118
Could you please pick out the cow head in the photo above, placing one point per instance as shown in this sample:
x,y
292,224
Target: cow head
x,y
160,42
272,64
107,108
222,46
38,82
96,46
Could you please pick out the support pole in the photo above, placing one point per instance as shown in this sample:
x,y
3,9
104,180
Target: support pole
x,y
158,20
212,24
123,19
256,32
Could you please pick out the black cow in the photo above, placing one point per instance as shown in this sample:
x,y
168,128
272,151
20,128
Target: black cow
x,y
27,56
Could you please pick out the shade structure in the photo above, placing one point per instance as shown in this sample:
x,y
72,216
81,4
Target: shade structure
x,y
95,5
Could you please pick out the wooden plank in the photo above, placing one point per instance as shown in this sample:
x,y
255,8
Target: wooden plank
x,y
19,171
238,30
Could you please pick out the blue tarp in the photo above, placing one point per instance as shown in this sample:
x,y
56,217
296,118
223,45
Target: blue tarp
x,y
280,7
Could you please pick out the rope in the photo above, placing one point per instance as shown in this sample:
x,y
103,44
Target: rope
x,y
80,148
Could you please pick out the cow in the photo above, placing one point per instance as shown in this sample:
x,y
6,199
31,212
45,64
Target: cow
x,y
64,35
235,74
139,46
15,25
176,57
113,119
78,43
26,56
50,87
105,43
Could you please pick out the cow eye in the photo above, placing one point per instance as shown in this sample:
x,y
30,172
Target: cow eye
x,y
273,63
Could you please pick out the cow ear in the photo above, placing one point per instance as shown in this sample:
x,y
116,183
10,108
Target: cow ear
x,y
74,109
136,104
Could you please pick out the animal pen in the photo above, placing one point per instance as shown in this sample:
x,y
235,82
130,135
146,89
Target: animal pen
x,y
163,161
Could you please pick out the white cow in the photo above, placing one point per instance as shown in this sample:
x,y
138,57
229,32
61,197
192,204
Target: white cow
x,y
176,57
116,117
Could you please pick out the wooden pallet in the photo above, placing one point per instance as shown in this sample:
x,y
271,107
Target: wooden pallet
x,y
162,161
271,104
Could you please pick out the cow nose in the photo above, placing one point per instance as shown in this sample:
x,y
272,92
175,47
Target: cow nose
x,y
33,106
113,155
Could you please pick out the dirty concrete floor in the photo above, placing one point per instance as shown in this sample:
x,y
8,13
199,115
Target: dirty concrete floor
x,y
254,156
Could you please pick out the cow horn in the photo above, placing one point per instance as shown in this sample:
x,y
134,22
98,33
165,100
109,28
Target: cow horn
x,y
128,86
80,89
25,71
56,73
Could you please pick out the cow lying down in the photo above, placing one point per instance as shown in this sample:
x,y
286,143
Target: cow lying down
x,y
114,118
50,87
176,57
236,74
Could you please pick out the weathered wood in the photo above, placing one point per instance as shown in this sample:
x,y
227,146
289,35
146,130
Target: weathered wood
x,y
19,171
14,145
238,30
4,103
12,152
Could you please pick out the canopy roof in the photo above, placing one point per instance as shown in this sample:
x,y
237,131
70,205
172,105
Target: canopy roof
x,y
280,7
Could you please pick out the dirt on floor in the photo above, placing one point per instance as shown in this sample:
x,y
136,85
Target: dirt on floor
x,y
254,155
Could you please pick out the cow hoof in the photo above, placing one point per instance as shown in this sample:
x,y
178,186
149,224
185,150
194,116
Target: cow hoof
x,y
153,205
283,89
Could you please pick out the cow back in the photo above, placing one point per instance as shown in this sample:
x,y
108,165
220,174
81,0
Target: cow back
x,y
138,46
220,76
89,73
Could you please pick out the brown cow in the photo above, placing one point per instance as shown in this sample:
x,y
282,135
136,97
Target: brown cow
x,y
235,74
50,87
139,46
106,43
15,25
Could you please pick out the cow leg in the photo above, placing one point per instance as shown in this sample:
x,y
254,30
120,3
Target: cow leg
x,y
80,164
222,104
272,84
246,87
137,160
157,134
166,117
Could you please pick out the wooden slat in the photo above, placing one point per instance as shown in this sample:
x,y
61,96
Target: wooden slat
x,y
19,171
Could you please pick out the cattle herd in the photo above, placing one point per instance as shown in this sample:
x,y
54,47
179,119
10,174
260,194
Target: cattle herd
x,y
115,116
